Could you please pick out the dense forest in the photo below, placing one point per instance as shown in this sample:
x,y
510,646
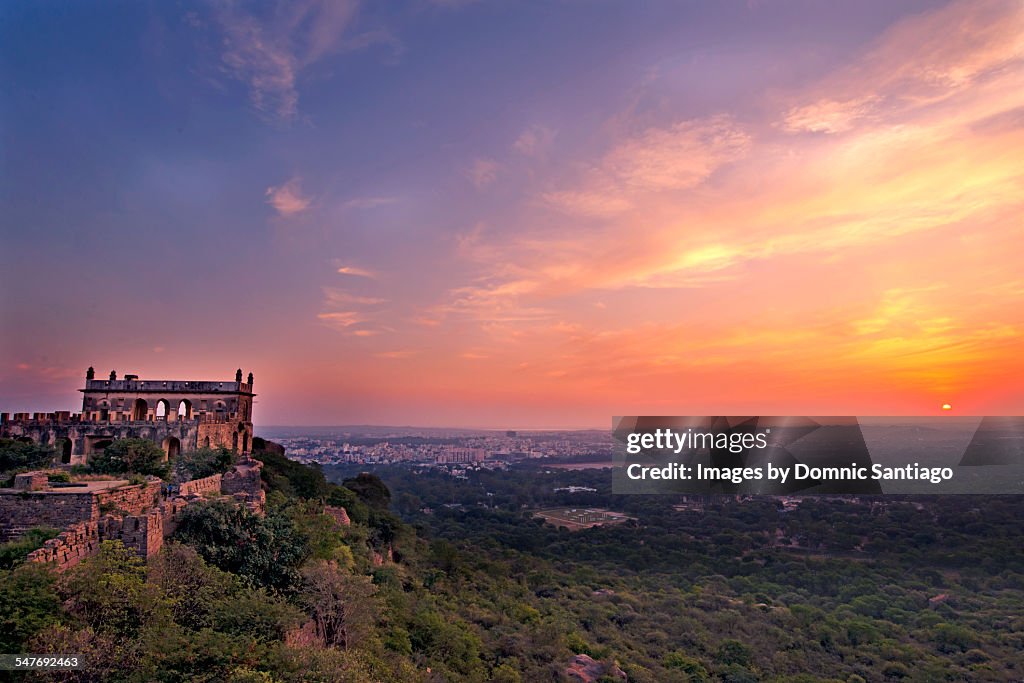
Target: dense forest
x,y
439,578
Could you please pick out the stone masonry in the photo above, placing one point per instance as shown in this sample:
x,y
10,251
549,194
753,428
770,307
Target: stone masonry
x,y
177,415
137,515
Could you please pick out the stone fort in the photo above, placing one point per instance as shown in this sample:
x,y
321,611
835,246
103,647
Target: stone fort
x,y
179,415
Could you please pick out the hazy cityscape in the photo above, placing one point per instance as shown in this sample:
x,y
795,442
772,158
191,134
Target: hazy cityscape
x,y
437,447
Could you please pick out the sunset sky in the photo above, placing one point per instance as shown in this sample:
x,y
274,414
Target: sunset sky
x,y
517,214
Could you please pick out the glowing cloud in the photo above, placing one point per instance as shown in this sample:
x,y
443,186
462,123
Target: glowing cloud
x,y
288,199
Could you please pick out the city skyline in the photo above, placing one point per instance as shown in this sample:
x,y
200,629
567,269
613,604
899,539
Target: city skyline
x,y
480,214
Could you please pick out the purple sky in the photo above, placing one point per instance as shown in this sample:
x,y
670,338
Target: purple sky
x,y
516,213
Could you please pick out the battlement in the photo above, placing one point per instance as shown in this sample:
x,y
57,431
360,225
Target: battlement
x,y
167,386
139,515
176,414
59,417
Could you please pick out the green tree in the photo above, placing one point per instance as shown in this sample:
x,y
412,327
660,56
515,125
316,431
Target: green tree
x,y
734,652
266,550
203,462
339,496
13,553
23,455
110,594
370,490
28,603
341,604
140,456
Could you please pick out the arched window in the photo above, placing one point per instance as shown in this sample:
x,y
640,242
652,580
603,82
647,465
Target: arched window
x,y
162,409
139,410
234,442
185,410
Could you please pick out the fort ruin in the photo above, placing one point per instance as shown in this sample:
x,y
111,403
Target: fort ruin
x,y
178,415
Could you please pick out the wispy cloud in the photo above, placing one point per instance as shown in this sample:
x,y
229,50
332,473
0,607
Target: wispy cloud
x,y
677,157
269,47
48,373
288,199
483,172
920,61
336,297
534,141
341,320
912,144
672,158
356,271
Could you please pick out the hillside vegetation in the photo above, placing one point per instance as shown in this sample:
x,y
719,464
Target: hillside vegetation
x,y
481,591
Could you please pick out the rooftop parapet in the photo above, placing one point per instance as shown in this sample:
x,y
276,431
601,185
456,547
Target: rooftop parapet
x,y
167,386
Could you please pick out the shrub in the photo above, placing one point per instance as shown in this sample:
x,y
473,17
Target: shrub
x,y
13,553
141,456
17,454
203,462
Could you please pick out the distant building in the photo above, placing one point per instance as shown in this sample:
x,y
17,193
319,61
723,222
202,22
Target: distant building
x,y
460,455
176,414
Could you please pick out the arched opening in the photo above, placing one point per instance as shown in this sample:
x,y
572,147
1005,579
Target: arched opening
x,y
185,410
206,442
172,447
104,411
139,410
220,411
234,442
64,447
162,408
245,442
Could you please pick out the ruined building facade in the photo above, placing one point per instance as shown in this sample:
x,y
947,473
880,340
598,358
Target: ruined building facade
x,y
179,415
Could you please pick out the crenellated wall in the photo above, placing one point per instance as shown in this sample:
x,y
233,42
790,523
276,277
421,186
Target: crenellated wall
x,y
73,545
136,515
143,533
131,500
245,483
201,487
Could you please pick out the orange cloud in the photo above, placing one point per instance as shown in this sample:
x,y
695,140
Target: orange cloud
x,y
288,199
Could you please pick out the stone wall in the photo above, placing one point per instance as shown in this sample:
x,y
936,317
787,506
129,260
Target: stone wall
x,y
245,483
339,514
73,545
75,440
135,514
131,500
200,487
31,481
233,435
23,510
171,510
143,533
